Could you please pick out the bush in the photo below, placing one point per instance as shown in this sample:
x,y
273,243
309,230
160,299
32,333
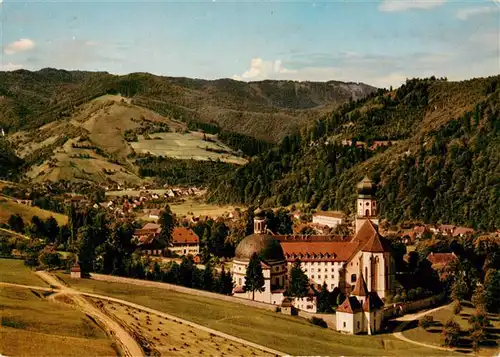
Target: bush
x,y
426,321
457,307
397,298
318,322
451,332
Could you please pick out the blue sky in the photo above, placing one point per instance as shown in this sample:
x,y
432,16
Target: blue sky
x,y
377,42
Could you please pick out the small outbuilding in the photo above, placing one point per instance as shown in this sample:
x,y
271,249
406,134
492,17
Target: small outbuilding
x,y
76,271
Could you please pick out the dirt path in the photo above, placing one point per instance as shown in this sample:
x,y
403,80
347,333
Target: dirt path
x,y
406,319
28,287
129,345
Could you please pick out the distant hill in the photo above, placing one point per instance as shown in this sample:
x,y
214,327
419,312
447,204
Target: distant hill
x,y
266,110
109,140
432,146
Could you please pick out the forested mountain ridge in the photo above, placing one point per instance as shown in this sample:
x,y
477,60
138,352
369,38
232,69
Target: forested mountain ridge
x,y
442,165
266,110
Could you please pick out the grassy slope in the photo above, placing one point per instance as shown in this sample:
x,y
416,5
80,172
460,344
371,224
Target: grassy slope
x,y
434,336
289,334
14,271
9,207
102,123
33,326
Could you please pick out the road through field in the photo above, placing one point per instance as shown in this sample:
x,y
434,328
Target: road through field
x,y
124,336
129,345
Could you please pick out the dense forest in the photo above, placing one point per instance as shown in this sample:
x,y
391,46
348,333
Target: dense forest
x,y
182,172
9,162
438,171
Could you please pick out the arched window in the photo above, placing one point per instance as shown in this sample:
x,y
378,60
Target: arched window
x,y
366,272
353,278
367,212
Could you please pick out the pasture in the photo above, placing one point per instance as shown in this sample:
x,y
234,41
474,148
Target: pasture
x,y
9,207
292,335
33,326
13,271
185,146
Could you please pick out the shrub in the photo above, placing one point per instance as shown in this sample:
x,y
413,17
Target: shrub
x,y
451,332
318,322
426,321
457,307
397,298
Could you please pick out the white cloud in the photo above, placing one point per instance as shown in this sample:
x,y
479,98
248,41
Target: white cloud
x,y
24,44
403,5
91,43
10,66
260,69
465,14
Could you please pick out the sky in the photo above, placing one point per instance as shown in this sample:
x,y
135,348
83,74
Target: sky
x,y
378,42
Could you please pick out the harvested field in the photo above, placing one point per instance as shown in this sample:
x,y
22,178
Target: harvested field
x,y
169,337
292,335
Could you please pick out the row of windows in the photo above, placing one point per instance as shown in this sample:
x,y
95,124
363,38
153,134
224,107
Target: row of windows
x,y
319,270
326,276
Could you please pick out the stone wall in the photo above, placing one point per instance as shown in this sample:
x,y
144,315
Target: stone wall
x,y
330,319
182,289
403,308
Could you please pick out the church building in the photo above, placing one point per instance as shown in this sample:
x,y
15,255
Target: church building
x,y
344,263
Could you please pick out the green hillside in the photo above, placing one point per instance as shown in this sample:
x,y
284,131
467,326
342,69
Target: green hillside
x,y
443,164
267,110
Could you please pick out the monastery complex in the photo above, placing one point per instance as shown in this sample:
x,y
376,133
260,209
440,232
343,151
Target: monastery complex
x,y
360,266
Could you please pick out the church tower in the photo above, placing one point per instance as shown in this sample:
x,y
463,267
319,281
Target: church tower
x,y
259,222
366,205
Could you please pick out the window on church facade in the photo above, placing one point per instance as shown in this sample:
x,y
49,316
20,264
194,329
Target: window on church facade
x,y
353,278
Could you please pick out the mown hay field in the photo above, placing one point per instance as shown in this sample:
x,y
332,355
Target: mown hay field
x,y
289,334
184,146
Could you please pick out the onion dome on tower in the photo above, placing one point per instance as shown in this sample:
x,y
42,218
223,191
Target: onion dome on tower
x,y
365,187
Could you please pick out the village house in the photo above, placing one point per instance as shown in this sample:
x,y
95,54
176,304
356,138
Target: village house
x,y
440,262
328,218
184,240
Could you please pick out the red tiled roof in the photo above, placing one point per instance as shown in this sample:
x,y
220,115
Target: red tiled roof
x,y
333,214
441,258
311,238
360,288
372,302
376,245
318,251
350,305
462,231
365,233
184,235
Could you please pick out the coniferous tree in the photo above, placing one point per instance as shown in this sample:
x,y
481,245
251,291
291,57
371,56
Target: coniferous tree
x,y
492,291
299,283
208,277
254,278
227,284
167,222
324,300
